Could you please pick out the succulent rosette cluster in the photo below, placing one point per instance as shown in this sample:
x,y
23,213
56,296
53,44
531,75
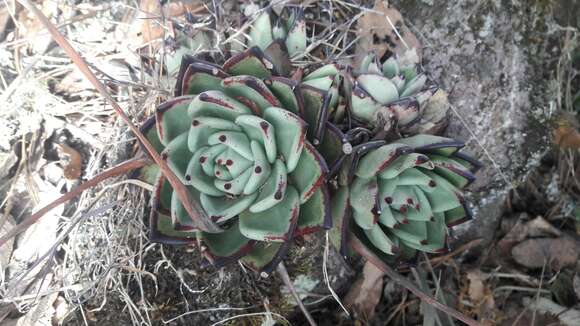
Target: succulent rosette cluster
x,y
252,145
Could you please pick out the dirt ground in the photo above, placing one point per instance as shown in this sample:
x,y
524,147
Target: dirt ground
x,y
511,73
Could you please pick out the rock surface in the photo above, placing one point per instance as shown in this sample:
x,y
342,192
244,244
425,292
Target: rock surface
x,y
497,61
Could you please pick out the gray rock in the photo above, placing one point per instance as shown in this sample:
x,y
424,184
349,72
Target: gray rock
x,y
496,59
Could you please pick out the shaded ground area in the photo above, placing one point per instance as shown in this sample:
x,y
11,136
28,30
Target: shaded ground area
x,y
508,68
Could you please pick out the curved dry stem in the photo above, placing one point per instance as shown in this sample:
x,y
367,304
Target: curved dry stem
x,y
109,173
371,257
193,208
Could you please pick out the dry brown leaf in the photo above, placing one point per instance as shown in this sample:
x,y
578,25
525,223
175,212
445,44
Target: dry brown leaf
x,y
554,252
146,27
377,33
365,293
72,169
480,295
537,227
567,132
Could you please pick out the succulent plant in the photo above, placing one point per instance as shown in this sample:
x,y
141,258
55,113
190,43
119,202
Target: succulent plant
x,y
404,195
270,30
234,135
252,146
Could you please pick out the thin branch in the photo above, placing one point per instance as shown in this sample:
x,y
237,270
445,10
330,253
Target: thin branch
x,y
281,269
400,279
109,173
193,208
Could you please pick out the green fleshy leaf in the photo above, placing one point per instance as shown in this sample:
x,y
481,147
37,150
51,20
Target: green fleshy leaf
x,y
222,209
363,105
199,77
198,178
179,216
251,62
363,198
275,223
262,255
261,32
313,103
283,88
414,86
329,70
178,155
253,90
403,163
340,222
262,131
163,231
229,243
309,173
218,105
234,140
380,240
433,144
313,213
331,146
260,171
380,88
378,159
290,133
203,127
172,119
390,68
296,38
272,193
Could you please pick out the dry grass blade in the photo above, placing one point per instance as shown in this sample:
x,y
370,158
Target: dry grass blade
x,y
363,251
112,172
193,208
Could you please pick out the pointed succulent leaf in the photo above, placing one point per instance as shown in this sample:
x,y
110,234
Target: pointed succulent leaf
x,y
251,62
380,88
172,119
286,90
379,159
227,246
177,155
260,130
314,213
379,239
404,163
363,199
390,68
433,144
329,70
296,38
414,86
216,104
309,173
274,188
453,171
363,105
197,76
261,31
275,223
265,256
340,212
290,132
260,170
202,127
222,208
252,90
197,177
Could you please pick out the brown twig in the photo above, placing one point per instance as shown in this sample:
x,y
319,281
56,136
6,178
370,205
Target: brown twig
x,y
371,257
193,208
112,172
281,269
